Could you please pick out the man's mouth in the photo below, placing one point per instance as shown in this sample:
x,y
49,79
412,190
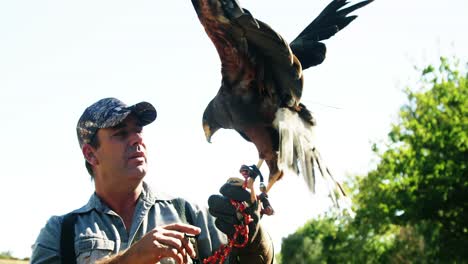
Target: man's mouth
x,y
137,155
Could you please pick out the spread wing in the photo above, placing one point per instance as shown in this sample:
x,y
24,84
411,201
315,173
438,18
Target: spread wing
x,y
307,46
262,82
255,60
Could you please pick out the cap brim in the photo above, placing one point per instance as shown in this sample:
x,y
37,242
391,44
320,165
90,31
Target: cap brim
x,y
145,112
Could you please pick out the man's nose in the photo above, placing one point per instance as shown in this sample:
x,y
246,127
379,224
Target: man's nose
x,y
137,138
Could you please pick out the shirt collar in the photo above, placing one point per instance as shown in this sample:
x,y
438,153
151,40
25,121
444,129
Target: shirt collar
x,y
95,203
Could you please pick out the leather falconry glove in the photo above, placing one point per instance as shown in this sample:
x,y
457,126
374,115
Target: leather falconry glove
x,y
259,248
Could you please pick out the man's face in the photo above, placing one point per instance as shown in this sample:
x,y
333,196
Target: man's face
x,y
121,154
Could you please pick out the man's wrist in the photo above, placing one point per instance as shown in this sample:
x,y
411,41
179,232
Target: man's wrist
x,y
119,258
259,250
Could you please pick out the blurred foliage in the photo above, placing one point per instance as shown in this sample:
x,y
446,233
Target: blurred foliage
x,y
413,207
6,255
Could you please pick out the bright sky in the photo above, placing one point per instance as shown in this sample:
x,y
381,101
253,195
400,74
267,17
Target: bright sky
x,y
57,57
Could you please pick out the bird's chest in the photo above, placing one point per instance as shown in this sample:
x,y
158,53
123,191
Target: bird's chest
x,y
248,109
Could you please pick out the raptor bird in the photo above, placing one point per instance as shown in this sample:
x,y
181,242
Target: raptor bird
x,y
262,84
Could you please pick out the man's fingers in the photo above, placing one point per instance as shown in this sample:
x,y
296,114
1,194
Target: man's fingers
x,y
220,205
171,239
188,247
170,252
225,227
183,228
230,218
176,236
184,255
235,192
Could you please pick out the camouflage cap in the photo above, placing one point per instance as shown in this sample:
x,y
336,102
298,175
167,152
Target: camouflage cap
x,y
109,112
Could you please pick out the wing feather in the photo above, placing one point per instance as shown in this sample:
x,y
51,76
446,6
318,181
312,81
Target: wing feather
x,y
252,54
307,46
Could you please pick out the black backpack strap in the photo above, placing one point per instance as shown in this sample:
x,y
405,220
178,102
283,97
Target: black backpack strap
x,y
186,217
67,239
183,210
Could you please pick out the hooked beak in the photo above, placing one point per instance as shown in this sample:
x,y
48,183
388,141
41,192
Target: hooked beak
x,y
208,133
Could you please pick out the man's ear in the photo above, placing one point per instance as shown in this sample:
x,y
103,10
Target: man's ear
x,y
89,154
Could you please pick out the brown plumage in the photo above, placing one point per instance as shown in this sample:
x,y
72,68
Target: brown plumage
x,y
262,83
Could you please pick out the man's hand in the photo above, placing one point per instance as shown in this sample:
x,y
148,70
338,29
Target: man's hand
x,y
226,214
162,242
259,248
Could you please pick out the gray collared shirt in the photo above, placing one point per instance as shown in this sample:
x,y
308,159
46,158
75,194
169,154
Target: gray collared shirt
x,y
100,232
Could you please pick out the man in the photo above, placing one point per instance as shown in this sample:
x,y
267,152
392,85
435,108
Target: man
x,y
124,221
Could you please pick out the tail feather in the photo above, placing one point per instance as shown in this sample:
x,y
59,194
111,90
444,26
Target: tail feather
x,y
298,153
334,187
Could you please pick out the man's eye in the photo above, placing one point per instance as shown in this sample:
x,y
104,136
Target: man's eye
x,y
121,133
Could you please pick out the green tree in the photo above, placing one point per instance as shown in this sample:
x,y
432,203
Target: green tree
x,y
6,255
421,180
413,207
312,242
334,239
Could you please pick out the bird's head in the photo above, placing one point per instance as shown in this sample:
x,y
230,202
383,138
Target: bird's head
x,y
217,9
210,126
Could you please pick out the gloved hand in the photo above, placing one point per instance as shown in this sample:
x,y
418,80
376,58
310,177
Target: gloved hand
x,y
259,248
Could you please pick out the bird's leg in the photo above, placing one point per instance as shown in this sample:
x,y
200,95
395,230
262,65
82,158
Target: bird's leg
x,y
272,180
259,163
275,173
250,183
267,208
263,197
